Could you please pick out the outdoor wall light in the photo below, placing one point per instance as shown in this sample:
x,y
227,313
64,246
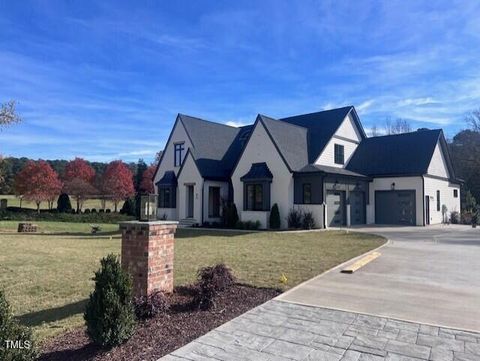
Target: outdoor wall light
x,y
393,186
148,208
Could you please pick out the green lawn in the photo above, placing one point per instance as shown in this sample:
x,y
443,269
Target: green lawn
x,y
14,201
47,276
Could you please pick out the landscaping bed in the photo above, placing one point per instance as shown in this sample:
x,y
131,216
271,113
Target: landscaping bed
x,y
163,334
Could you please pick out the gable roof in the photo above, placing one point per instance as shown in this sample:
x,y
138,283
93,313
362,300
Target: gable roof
x,y
322,126
396,155
290,140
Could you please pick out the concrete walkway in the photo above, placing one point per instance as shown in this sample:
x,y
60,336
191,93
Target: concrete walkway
x,y
425,274
280,331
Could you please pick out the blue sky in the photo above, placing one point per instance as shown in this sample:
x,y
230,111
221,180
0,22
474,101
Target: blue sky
x,y
104,79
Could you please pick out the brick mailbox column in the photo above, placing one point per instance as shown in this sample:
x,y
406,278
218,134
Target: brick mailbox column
x,y
147,254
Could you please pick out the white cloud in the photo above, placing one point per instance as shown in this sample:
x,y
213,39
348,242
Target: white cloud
x,y
362,107
236,124
416,102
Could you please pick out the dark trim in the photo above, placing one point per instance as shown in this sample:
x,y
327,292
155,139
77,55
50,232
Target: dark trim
x,y
244,148
337,157
441,178
423,202
345,139
323,173
166,145
175,153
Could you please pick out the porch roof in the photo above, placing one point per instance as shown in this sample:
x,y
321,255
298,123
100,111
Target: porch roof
x,y
168,180
258,171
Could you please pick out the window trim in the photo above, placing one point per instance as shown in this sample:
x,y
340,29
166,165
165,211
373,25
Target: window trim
x,y
265,193
162,199
309,185
455,193
336,155
438,201
181,148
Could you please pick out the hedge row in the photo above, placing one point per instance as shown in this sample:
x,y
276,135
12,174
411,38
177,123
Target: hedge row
x,y
64,217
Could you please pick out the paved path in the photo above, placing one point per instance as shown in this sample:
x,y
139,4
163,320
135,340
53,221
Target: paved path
x,y
280,331
425,274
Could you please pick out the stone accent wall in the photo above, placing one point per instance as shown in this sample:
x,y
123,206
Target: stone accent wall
x,y
147,254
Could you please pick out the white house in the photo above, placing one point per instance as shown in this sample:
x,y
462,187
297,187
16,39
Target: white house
x,y
321,162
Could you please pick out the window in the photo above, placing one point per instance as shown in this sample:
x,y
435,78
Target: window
x,y
179,148
307,193
339,154
455,193
256,197
438,201
166,197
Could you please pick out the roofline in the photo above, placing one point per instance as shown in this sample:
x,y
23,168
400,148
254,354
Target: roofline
x,y
322,172
210,121
322,111
166,145
412,132
189,151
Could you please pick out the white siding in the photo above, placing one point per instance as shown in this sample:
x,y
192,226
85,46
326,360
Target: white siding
x,y
261,149
223,196
446,188
190,175
346,130
438,165
401,183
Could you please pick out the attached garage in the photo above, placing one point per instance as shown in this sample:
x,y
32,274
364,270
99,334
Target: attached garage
x,y
336,215
396,207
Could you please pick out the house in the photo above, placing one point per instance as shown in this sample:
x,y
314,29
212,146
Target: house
x,y
320,162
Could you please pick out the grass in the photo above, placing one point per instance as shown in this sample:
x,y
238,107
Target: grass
x,y
48,276
14,201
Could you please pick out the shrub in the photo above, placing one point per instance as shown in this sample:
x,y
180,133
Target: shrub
x,y
294,218
275,217
474,218
308,221
152,305
248,225
110,314
63,203
211,281
128,207
86,211
64,217
11,330
107,210
466,217
230,215
93,210
454,217
101,211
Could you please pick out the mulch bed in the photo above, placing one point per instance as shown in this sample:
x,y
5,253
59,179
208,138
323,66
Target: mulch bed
x,y
159,336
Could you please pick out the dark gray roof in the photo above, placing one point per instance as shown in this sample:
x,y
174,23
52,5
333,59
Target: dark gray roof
x,y
400,154
168,179
216,146
258,171
315,168
290,139
321,127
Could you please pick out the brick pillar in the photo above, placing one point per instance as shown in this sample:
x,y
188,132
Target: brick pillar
x,y
147,254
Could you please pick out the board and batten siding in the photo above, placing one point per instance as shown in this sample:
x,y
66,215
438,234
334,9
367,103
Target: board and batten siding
x,y
438,165
261,149
432,185
190,176
347,130
401,183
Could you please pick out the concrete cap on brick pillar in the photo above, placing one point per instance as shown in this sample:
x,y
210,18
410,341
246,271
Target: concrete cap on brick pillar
x,y
148,254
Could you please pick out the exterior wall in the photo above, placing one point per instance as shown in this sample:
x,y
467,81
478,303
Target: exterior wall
x,y
170,214
346,130
190,176
438,165
223,196
401,183
261,149
316,182
317,211
446,198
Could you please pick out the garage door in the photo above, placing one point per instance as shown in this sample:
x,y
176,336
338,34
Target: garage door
x,y
336,208
395,207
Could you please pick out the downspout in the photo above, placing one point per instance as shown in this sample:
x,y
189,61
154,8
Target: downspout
x,y
203,196
423,201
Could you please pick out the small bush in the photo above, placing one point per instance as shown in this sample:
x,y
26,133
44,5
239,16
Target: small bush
x,y
211,281
11,330
108,210
128,207
230,215
101,211
475,218
250,225
275,217
454,217
308,221
294,218
93,210
86,211
151,306
110,314
63,203
466,217
64,217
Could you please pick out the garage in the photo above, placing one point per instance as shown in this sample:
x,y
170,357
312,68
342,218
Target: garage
x,y
336,208
395,207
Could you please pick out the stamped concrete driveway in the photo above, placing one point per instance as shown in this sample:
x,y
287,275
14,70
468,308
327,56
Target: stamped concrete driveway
x,y
428,275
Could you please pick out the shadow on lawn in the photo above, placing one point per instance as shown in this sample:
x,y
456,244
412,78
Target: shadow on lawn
x,y
211,232
74,234
52,314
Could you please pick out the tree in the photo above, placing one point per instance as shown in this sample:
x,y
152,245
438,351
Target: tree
x,y
473,119
79,177
397,126
38,182
146,186
275,217
118,179
140,169
8,114
374,132
63,203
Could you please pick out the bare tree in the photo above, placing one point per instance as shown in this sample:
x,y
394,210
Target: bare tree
x,y
374,131
8,114
397,126
473,119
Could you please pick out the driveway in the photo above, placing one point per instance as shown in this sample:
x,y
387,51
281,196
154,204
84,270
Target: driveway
x,y
429,275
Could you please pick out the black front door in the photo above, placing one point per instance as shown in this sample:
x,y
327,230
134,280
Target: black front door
x,y
190,195
427,209
214,202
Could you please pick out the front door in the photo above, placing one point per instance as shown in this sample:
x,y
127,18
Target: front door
x,y
357,208
190,196
427,209
336,208
214,202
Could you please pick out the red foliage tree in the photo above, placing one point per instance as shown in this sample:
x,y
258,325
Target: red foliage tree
x,y
79,177
38,182
118,182
146,185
